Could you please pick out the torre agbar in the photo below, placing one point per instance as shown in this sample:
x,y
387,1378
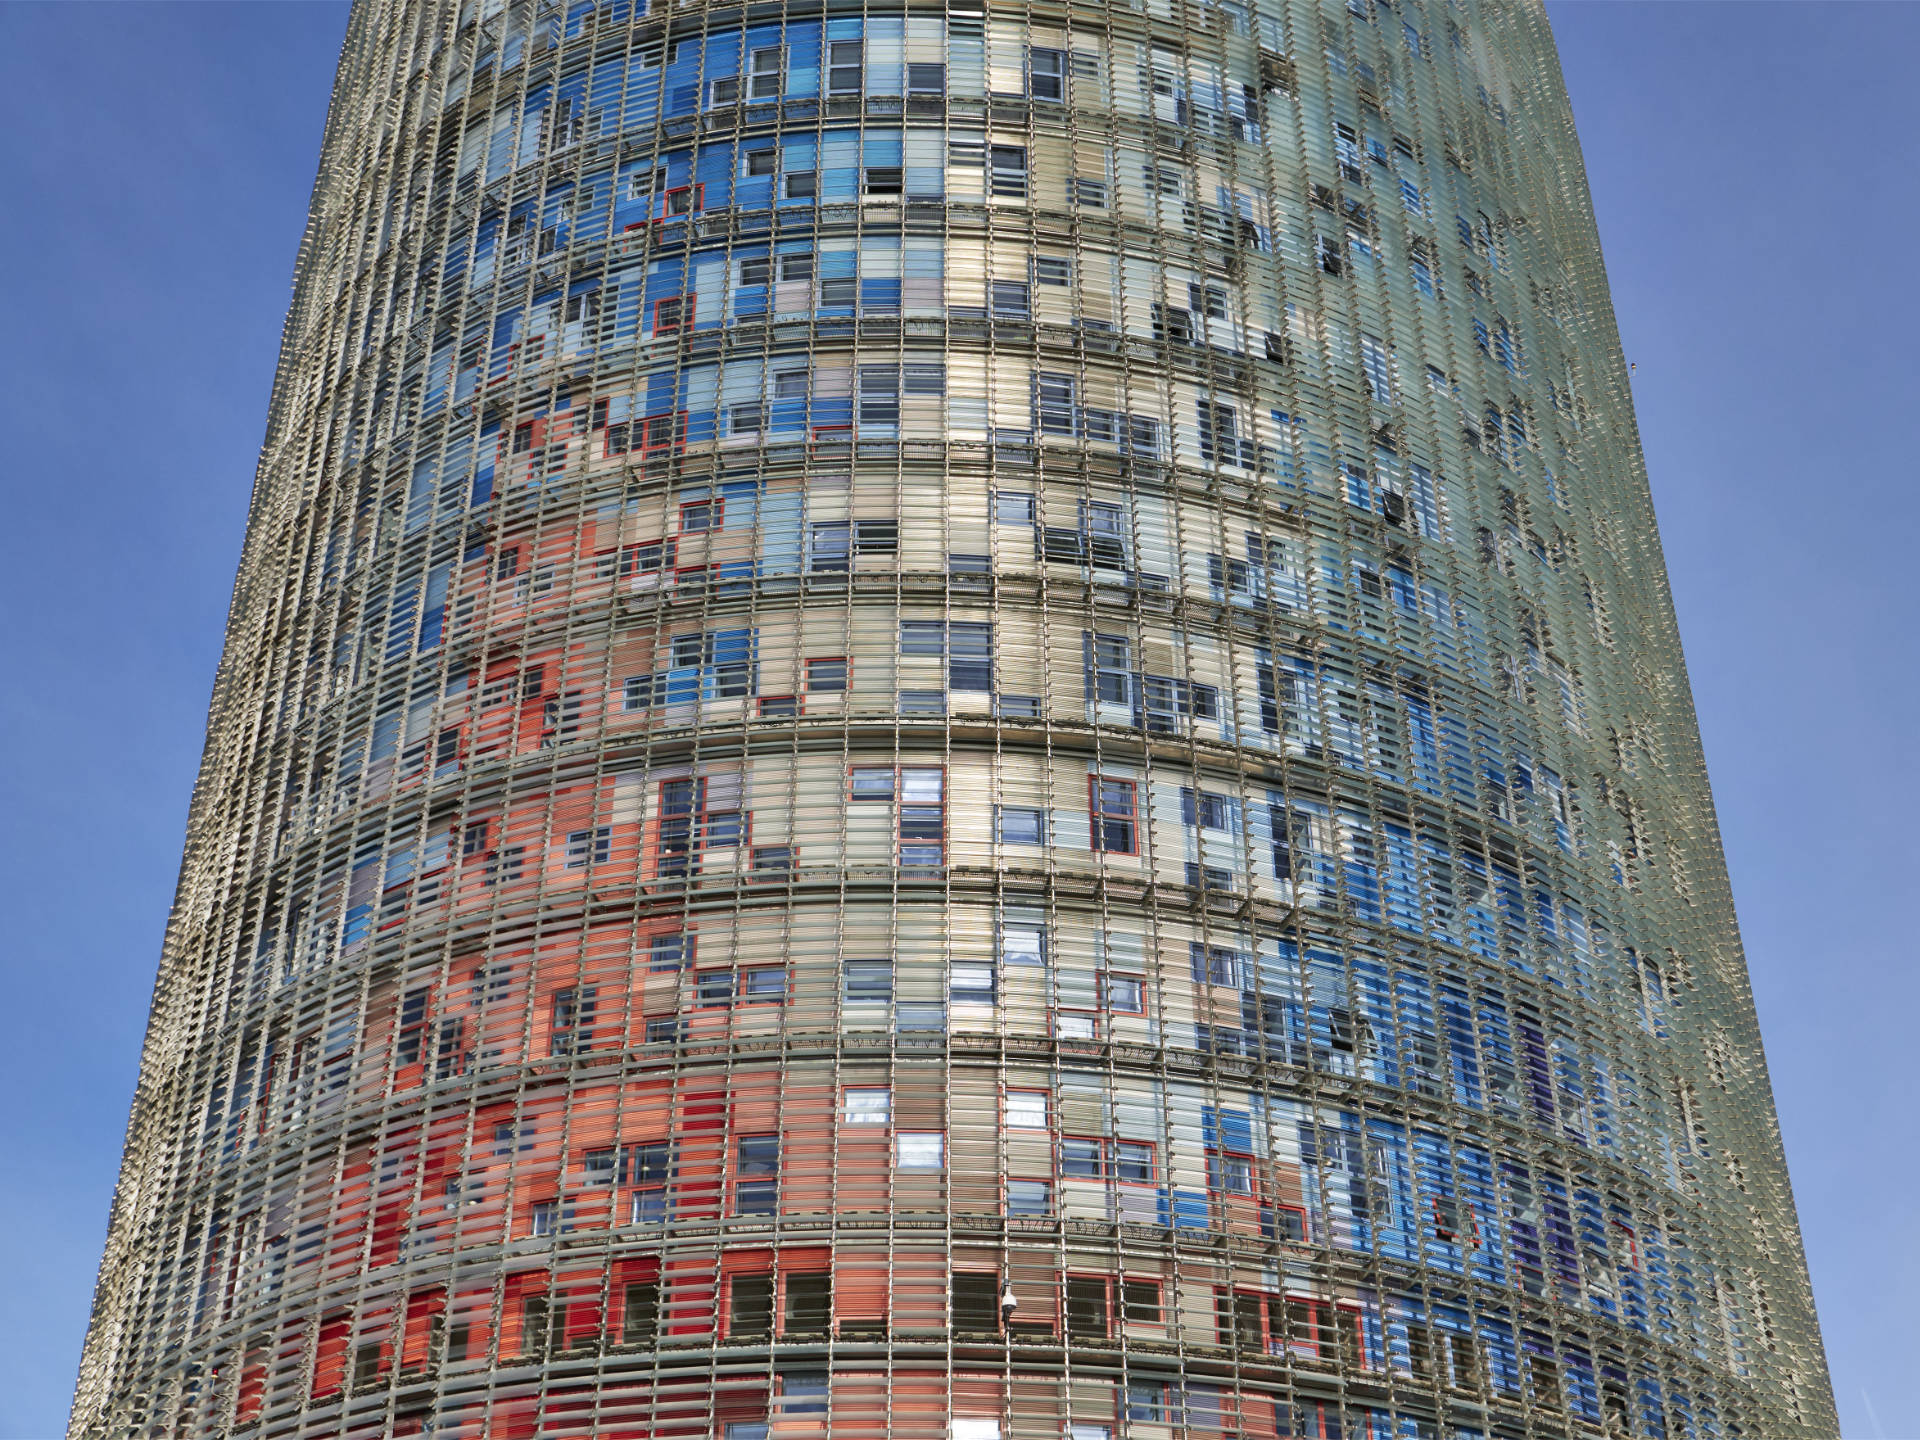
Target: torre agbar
x,y
952,723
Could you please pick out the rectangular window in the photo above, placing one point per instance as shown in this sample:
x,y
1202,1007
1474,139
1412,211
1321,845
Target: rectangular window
x,y
843,67
1032,1198
831,552
763,73
1133,1162
972,985
671,313
1087,1309
809,1312
1011,299
1027,1109
867,982
573,1017
1083,1159
871,782
1012,507
756,1174
1112,665
827,674
923,825
873,1106
1052,270
1009,170
970,656
750,1307
589,847
1017,825
1125,994
1113,815
924,1150
1140,1302
1046,74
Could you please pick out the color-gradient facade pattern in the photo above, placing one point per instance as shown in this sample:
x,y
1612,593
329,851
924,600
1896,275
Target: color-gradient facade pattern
x,y
952,724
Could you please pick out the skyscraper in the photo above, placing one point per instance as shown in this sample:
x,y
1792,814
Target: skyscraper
x,y
954,724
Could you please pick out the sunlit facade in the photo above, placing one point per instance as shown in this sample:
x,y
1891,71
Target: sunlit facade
x,y
952,725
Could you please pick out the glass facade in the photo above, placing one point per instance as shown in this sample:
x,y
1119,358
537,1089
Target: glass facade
x,y
952,723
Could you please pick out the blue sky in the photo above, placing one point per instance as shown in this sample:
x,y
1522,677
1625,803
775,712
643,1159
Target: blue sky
x,y
1754,169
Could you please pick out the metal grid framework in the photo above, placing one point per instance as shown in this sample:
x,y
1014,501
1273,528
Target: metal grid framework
x,y
955,723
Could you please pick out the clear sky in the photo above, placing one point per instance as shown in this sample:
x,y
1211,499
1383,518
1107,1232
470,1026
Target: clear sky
x,y
1754,168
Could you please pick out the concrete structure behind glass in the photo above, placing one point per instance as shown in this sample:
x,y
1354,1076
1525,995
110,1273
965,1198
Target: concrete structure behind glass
x,y
952,723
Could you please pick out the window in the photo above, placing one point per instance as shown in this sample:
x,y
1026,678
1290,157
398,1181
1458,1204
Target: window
x,y
872,1106
1140,1302
756,1174
1206,809
1125,994
809,1312
924,379
1009,170
1046,74
1214,964
589,847
827,674
1147,1401
1083,1159
764,985
1112,676
843,67
1053,403
1029,1197
1052,270
1011,299
1026,1109
1088,192
672,312
714,988
926,78
544,1218
867,982
970,655
1228,1173
871,782
772,861
976,1301
923,825
1133,1162
1087,1308
763,73
1012,507
573,1016
832,550
750,1307
1016,825
1113,815
1023,944
759,164
972,985
800,184
879,395
920,1150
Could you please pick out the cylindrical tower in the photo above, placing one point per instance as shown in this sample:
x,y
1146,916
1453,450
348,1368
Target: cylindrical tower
x,y
952,722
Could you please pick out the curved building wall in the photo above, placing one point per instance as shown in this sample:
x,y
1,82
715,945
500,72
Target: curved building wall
x,y
952,722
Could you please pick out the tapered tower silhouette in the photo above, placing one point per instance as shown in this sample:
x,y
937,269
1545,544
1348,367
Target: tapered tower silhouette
x,y
952,722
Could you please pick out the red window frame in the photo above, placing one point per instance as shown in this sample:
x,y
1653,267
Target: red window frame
x,y
682,313
651,442
1153,1163
1102,1152
1217,1158
1066,1305
1104,978
1299,1211
1096,815
696,194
